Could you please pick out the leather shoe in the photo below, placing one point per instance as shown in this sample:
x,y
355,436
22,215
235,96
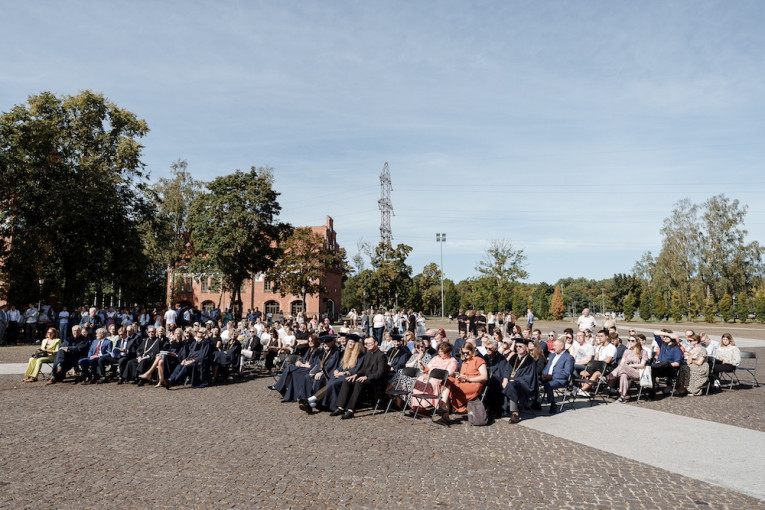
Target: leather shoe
x,y
141,382
336,412
553,408
121,381
305,406
347,416
515,418
271,387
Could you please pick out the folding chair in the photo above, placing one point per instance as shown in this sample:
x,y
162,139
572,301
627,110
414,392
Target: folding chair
x,y
284,360
401,390
566,391
441,377
711,360
747,366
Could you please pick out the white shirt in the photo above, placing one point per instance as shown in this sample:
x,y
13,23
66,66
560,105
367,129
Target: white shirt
x,y
265,338
583,352
586,323
606,351
554,361
378,321
170,317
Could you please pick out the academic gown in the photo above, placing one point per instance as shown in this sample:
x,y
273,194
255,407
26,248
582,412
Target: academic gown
x,y
333,385
290,383
397,360
525,381
146,347
328,361
199,369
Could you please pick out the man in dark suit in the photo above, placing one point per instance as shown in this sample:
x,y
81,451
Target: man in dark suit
x,y
371,374
125,349
73,348
100,347
559,368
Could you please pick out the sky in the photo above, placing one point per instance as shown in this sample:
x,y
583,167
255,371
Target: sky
x,y
568,128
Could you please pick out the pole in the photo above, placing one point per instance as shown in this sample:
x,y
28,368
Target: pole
x,y
441,239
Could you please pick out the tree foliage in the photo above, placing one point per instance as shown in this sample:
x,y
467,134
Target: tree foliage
x,y
725,306
234,227
73,193
629,307
557,306
501,267
645,304
305,260
390,278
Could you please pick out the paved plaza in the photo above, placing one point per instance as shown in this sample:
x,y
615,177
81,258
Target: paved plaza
x,y
237,446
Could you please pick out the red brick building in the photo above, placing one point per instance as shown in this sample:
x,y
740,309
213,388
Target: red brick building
x,y
258,291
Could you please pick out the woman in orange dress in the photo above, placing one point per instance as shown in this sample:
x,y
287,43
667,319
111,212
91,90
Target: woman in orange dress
x,y
468,384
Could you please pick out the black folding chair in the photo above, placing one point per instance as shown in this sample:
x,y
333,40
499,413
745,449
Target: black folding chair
x,y
436,374
401,390
749,365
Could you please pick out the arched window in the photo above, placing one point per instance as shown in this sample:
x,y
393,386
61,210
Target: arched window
x,y
271,307
208,305
296,307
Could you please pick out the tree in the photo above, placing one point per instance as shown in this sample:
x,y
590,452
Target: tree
x,y
304,262
390,276
234,228
742,307
174,197
676,306
725,306
659,306
695,306
503,265
709,308
629,307
72,196
429,288
557,306
759,306
645,304
677,263
727,263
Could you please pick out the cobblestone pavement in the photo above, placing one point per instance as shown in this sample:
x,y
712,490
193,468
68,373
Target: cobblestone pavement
x,y
237,446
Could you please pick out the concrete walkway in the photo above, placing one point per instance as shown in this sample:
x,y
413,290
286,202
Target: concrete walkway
x,y
19,368
675,443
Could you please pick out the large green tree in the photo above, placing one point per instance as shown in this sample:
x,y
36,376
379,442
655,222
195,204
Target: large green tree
x,y
390,278
235,229
501,266
73,193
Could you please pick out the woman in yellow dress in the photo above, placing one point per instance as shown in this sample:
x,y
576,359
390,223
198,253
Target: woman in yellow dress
x,y
49,348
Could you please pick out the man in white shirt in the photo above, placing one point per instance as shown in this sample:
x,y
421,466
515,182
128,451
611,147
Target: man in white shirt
x,y
582,352
604,355
170,318
586,321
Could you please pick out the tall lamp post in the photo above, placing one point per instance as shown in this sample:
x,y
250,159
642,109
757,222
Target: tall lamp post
x,y
441,239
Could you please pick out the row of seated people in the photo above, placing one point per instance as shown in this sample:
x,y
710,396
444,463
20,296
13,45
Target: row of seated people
x,y
330,376
194,354
693,362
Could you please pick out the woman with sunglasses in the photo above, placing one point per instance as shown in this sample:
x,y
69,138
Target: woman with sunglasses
x,y
468,383
634,359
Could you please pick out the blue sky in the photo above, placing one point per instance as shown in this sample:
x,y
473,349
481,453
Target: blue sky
x,y
569,128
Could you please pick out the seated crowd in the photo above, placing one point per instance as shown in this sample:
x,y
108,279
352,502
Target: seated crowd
x,y
336,373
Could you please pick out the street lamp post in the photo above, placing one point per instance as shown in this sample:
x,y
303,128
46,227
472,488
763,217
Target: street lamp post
x,y
441,239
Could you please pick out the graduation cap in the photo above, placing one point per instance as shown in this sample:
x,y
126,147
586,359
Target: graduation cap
x,y
426,337
396,336
354,337
327,338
